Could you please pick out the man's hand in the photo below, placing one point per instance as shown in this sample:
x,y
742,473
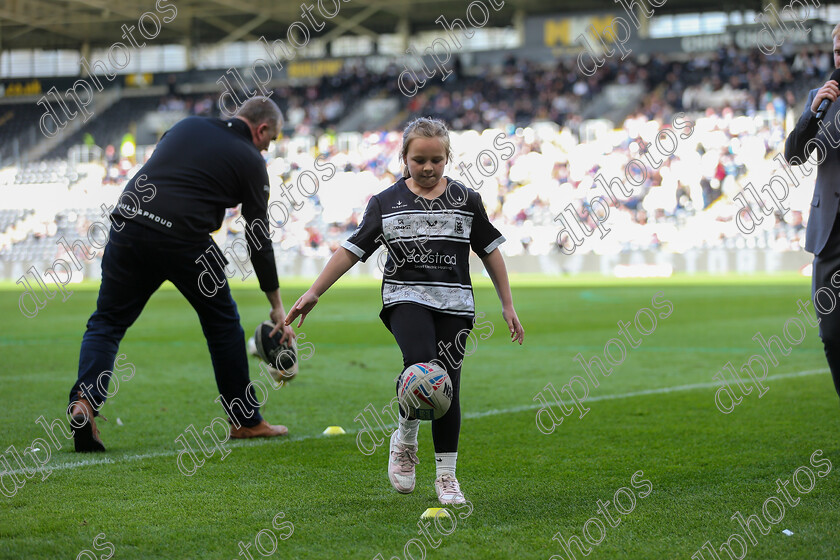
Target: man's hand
x,y
278,316
302,307
830,91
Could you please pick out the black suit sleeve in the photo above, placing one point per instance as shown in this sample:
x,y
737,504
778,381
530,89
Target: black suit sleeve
x,y
255,212
806,129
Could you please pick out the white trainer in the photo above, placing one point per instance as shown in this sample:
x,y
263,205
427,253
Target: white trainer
x,y
448,490
401,463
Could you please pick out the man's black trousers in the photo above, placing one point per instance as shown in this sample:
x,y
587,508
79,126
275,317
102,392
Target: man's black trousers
x,y
826,278
136,262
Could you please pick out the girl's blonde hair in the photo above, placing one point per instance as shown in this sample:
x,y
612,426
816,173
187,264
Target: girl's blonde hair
x,y
425,127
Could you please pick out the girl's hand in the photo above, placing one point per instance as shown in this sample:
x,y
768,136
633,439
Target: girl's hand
x,y
517,333
302,307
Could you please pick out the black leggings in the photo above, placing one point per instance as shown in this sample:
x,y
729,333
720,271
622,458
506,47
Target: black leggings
x,y
424,335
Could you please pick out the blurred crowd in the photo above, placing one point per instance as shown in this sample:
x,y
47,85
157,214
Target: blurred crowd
x,y
518,127
527,176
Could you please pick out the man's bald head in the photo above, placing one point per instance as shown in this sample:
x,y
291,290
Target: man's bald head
x,y
258,110
264,119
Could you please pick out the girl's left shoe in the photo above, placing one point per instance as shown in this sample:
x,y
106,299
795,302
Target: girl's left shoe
x,y
448,490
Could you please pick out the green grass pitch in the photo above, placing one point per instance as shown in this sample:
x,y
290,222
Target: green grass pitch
x,y
655,413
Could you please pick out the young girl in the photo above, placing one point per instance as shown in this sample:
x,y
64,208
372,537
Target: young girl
x,y
428,223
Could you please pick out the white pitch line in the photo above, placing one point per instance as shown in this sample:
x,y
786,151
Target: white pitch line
x,y
468,416
659,391
169,453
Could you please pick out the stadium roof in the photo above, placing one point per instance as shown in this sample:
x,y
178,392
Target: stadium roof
x,y
77,24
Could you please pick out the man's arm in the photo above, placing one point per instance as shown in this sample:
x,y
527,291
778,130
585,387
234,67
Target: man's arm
x,y
806,129
255,190
258,236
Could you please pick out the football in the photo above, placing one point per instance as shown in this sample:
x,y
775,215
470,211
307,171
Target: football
x,y
424,391
281,358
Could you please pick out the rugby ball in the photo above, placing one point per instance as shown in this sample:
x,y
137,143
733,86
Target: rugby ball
x,y
281,358
424,391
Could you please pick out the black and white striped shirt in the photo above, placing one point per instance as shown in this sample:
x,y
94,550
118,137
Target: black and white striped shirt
x,y
428,244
